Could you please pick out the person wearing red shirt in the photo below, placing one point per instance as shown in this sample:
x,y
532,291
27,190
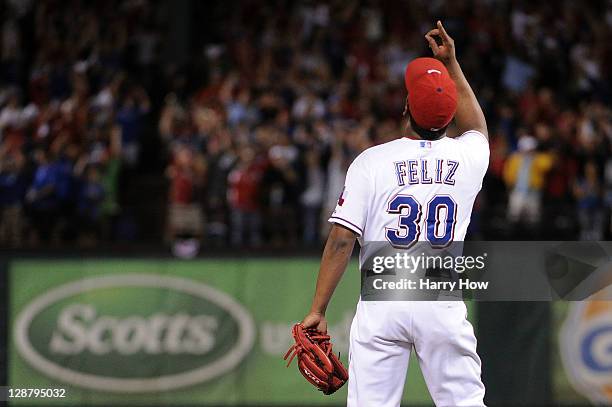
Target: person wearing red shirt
x,y
243,199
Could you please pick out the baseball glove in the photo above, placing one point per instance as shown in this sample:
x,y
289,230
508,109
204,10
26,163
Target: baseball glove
x,y
316,360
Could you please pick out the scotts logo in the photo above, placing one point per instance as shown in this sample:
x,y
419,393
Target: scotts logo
x,y
586,347
134,333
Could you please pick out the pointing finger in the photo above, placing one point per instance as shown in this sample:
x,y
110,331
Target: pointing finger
x,y
443,33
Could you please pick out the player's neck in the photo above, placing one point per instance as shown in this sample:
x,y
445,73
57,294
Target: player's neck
x,y
414,136
421,134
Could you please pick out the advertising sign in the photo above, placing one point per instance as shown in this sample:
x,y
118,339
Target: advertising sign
x,y
586,348
155,332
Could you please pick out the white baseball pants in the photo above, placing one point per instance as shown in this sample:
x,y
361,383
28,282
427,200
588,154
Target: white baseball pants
x,y
383,334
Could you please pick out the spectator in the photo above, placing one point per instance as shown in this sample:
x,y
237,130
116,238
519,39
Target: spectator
x,y
312,197
244,200
130,116
89,201
186,174
110,168
220,161
524,173
42,197
589,199
336,170
11,114
12,190
280,183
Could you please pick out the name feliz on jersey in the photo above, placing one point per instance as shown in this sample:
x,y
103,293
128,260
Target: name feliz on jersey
x,y
422,171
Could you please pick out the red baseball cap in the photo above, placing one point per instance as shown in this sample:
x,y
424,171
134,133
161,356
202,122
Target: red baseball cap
x,y
432,94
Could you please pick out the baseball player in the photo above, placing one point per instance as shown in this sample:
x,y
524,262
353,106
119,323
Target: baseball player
x,y
405,191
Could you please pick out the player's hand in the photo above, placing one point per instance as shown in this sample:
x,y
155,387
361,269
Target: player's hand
x,y
445,52
315,320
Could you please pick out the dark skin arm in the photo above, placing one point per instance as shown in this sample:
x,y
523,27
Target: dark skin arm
x,y
335,258
469,115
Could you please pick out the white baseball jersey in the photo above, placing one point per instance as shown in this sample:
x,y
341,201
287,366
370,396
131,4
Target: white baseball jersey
x,y
402,192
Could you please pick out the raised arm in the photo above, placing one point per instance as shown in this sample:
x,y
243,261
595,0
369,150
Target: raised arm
x,y
469,115
335,258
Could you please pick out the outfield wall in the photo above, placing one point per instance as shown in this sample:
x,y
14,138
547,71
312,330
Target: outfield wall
x,y
205,332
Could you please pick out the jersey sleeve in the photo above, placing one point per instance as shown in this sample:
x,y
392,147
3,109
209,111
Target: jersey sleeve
x,y
352,207
476,147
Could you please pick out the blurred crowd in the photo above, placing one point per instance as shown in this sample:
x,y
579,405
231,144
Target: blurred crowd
x,y
71,117
260,122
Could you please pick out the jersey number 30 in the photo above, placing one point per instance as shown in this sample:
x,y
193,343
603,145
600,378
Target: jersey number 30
x,y
440,231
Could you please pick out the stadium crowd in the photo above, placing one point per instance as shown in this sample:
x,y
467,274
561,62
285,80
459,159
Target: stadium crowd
x,y
260,125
